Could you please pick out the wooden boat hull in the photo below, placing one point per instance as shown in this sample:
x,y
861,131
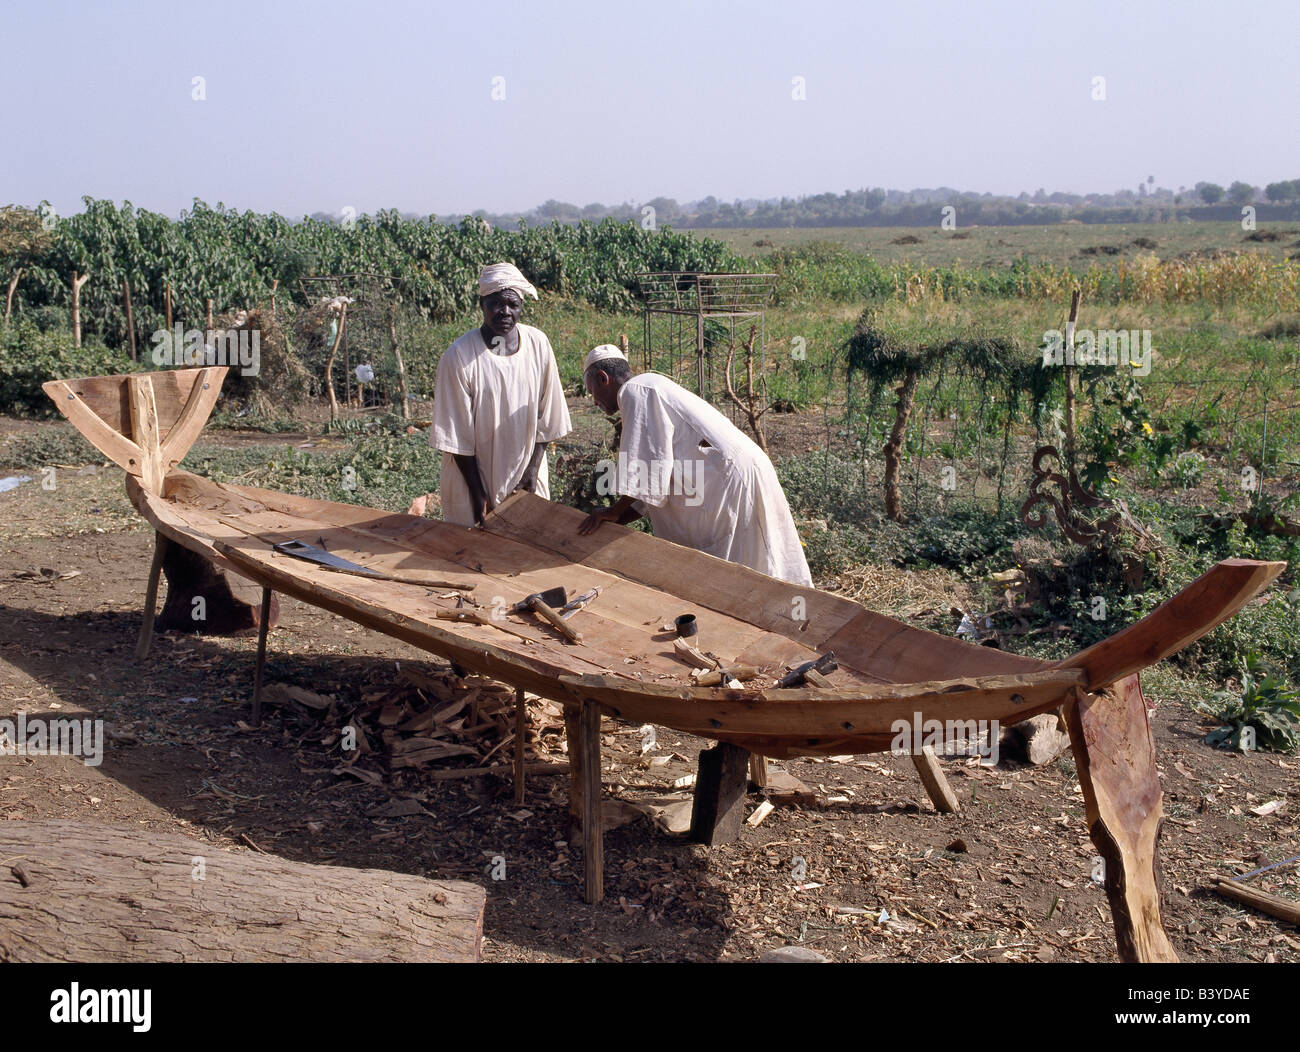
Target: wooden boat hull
x,y
237,527
894,682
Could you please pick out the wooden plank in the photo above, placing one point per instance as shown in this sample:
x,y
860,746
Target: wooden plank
x,y
145,432
935,782
719,805
521,740
573,739
593,845
894,652
1179,621
198,406
782,719
100,434
803,614
1114,756
105,400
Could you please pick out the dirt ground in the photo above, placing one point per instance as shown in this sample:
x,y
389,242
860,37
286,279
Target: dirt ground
x,y
870,872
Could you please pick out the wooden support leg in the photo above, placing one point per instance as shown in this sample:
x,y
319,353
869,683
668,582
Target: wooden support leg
x,y
719,805
262,629
758,771
521,733
935,781
1115,757
151,597
573,736
593,846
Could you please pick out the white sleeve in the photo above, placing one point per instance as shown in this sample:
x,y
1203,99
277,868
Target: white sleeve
x,y
645,467
552,410
453,408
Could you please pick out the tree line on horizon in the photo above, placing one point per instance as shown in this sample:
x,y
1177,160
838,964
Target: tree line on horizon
x,y
921,207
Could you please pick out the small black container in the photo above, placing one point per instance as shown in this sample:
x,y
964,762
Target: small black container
x,y
686,625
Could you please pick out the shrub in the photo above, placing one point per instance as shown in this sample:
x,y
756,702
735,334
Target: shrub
x,y
29,357
1267,711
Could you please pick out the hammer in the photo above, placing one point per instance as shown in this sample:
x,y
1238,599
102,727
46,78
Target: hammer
x,y
809,671
544,603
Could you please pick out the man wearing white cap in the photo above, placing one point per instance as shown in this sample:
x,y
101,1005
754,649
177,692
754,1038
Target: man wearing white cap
x,y
703,483
497,402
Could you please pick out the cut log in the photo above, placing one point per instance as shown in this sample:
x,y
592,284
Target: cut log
x,y
1116,761
1273,905
1039,739
104,893
719,807
231,606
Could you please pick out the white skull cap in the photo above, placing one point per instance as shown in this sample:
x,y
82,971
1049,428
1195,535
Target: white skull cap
x,y
602,353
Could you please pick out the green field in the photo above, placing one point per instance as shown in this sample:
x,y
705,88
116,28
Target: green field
x,y
1074,244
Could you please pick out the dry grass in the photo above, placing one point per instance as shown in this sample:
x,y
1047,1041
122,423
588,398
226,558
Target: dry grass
x,y
904,593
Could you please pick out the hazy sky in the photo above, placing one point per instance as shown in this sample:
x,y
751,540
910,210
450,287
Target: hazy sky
x,y
321,105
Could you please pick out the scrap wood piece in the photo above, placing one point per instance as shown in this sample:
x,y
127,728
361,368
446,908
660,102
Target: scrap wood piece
x,y
117,893
1273,905
670,812
784,788
284,693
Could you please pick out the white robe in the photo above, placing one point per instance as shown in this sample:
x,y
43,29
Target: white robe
x,y
703,483
495,407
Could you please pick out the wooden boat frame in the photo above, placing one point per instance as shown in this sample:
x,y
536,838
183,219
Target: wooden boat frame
x,y
147,422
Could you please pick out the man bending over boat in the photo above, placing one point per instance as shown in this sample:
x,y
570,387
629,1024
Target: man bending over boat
x,y
497,402
701,481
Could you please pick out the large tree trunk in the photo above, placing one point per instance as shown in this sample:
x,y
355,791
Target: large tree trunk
x,y
81,891
894,447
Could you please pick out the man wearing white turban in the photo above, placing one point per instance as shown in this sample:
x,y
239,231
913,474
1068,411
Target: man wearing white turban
x,y
497,402
703,483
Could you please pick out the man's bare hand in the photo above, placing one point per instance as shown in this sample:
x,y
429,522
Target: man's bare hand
x,y
482,506
419,506
593,521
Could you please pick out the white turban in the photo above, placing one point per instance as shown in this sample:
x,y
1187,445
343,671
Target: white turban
x,y
497,276
602,353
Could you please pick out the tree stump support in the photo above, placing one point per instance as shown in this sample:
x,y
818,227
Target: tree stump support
x,y
1115,757
718,807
